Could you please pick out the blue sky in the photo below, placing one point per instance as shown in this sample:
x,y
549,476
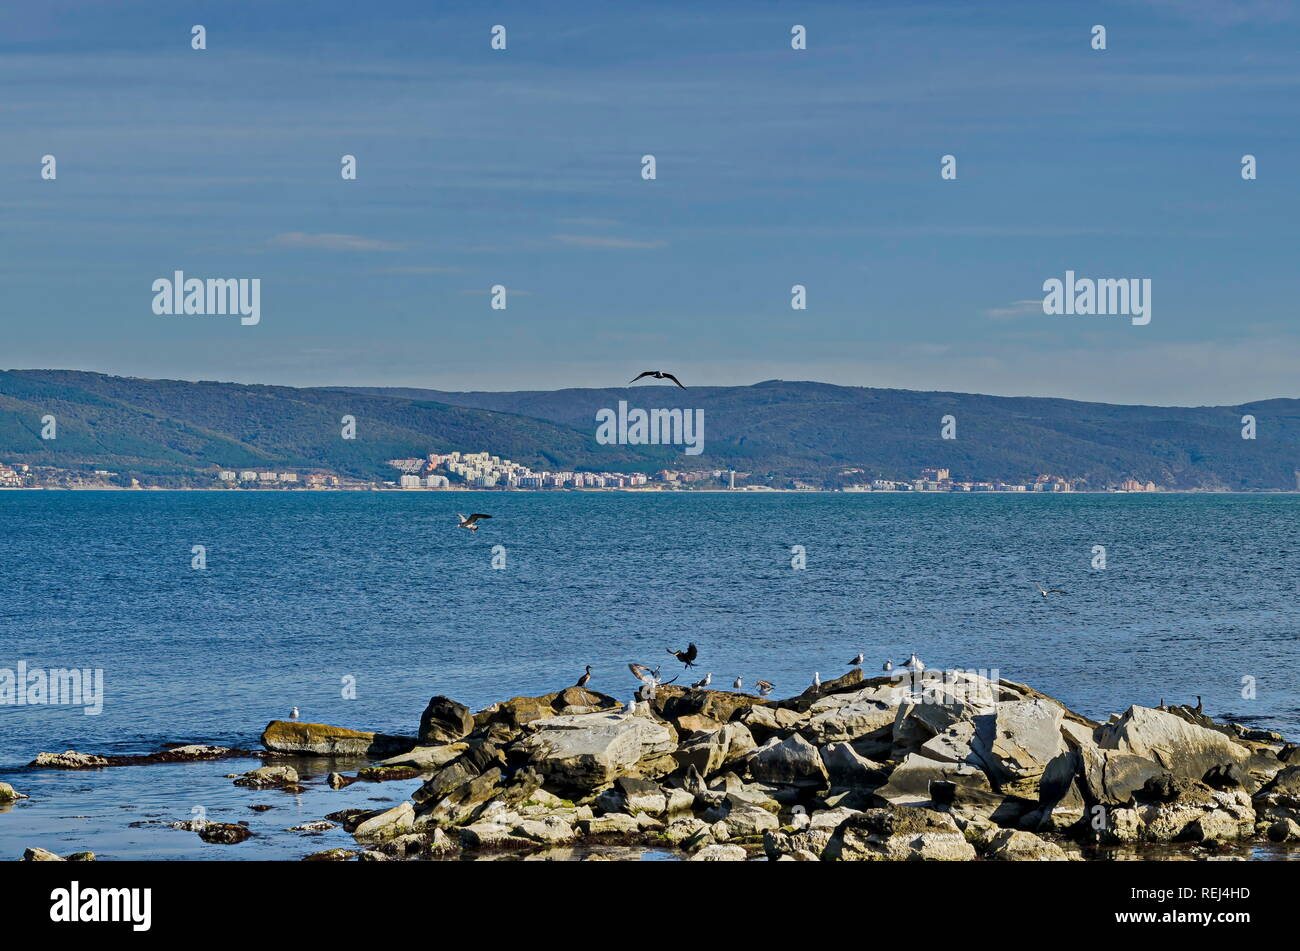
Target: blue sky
x,y
775,167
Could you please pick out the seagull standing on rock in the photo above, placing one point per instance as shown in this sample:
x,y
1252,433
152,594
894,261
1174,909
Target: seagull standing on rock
x,y
765,687
707,679
817,679
889,665
857,661
914,663
738,684
293,714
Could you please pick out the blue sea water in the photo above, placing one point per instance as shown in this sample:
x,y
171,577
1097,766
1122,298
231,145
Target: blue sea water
x,y
305,593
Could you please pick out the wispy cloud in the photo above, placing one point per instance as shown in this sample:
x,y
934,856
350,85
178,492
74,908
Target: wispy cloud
x,y
604,242
1015,309
332,242
419,269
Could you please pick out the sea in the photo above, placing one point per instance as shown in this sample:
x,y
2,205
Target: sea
x,y
212,613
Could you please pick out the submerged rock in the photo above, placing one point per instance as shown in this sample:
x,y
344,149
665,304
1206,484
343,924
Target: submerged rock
x,y
270,777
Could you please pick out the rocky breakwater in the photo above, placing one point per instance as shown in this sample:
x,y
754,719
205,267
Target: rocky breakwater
x,y
943,766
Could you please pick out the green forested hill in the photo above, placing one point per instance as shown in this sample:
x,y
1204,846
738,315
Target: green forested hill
x,y
167,430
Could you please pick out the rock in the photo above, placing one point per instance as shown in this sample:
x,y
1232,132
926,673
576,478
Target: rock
x,y
846,768
41,855
339,781
722,706
9,794
1284,830
462,803
764,722
805,846
642,795
830,818
330,855
517,712
711,752
852,716
719,853
748,821
82,857
615,823
551,830
492,835
590,750
70,759
899,835
679,830
319,825
1182,749
1280,797
792,761
224,833
445,721
270,777
319,739
386,824
373,855
1010,845
1026,737
697,723
427,758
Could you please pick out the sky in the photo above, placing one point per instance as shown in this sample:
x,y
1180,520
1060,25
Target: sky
x,y
775,167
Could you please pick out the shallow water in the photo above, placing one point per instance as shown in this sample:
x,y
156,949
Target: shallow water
x,y
306,593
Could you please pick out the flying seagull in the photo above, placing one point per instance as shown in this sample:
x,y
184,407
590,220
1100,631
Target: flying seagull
x,y
708,679
857,661
658,375
764,687
648,677
1046,591
687,656
585,678
472,522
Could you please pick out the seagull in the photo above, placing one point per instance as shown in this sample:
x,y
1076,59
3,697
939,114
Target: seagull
x,y
857,661
764,687
708,679
472,522
585,678
631,706
658,375
799,817
648,677
914,663
1046,591
293,714
817,679
687,656
889,665
738,684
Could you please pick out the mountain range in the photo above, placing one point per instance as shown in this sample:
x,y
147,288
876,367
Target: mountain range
x,y
173,432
